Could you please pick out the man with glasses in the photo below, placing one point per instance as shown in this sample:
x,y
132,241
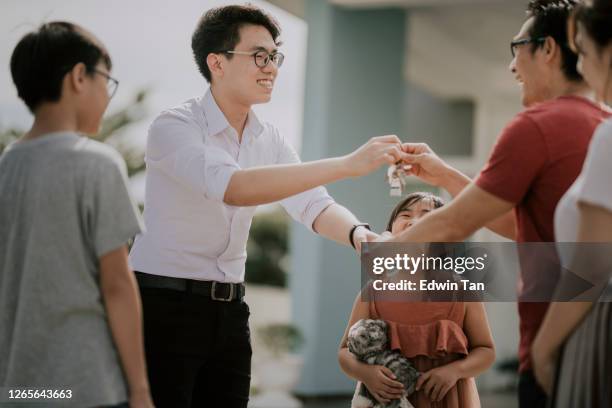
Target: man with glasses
x,y
210,162
536,159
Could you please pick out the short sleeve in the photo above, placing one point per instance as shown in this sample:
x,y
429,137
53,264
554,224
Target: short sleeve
x,y
113,218
176,147
596,187
517,159
304,207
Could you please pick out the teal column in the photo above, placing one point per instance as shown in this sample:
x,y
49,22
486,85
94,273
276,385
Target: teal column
x,y
354,90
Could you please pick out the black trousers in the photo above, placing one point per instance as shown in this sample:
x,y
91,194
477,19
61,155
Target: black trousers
x,y
531,395
198,350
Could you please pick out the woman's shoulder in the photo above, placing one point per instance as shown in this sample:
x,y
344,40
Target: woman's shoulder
x,y
602,138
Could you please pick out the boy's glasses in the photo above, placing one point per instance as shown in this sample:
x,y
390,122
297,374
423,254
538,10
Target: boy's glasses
x,y
111,83
262,58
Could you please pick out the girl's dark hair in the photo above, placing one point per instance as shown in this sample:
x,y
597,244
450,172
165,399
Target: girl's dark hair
x,y
219,30
42,58
410,200
596,17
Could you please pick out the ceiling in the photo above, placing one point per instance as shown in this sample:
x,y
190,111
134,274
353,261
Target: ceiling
x,y
454,48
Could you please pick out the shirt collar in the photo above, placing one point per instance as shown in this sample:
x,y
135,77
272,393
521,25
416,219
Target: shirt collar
x,y
215,118
217,122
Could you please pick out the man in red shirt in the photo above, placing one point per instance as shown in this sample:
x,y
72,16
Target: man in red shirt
x,y
535,160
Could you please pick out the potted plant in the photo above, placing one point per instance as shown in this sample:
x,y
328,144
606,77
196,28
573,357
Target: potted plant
x,y
279,374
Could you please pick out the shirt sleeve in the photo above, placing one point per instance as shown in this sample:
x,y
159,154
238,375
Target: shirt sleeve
x,y
596,188
112,215
175,147
518,157
304,207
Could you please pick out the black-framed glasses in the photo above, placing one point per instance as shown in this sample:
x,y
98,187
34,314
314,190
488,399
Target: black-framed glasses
x,y
262,58
111,83
524,41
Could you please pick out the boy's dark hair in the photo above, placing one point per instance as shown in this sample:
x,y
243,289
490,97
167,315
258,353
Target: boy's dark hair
x,y
43,57
596,17
410,200
219,30
550,19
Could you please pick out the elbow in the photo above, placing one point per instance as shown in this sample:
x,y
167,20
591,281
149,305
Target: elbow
x,y
240,193
232,199
490,356
237,197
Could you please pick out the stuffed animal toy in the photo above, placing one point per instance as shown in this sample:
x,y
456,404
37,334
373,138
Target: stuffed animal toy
x,y
368,341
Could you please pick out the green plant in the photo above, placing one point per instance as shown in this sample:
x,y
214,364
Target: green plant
x,y
110,132
281,338
267,249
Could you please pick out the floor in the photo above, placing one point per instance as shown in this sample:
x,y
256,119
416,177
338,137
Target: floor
x,y
501,400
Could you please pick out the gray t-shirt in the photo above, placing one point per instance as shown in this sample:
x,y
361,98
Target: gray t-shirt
x,y
64,202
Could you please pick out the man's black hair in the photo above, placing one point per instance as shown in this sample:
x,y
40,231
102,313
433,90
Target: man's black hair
x,y
550,19
219,30
43,57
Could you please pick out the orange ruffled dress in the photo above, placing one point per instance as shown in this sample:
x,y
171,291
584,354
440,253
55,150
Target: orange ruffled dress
x,y
430,334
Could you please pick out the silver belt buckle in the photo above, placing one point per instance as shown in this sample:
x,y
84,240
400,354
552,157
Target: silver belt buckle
x,y
221,299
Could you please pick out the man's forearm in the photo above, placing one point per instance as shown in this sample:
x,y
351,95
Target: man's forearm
x,y
335,223
455,181
268,184
438,226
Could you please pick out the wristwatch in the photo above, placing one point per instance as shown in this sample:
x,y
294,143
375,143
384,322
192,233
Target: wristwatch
x,y
351,240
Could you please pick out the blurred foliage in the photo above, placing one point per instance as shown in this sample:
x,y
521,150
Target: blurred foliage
x,y
267,249
8,136
110,132
281,338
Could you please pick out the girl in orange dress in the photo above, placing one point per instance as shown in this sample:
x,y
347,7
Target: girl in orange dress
x,y
448,342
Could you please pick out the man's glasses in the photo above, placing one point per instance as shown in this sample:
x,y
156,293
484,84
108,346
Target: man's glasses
x,y
111,83
524,41
262,58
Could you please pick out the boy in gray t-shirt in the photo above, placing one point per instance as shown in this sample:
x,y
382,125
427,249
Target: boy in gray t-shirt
x,y
70,315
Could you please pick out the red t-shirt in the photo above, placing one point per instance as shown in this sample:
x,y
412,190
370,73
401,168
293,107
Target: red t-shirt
x,y
536,159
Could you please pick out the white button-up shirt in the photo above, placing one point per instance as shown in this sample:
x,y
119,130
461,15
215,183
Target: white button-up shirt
x,y
192,152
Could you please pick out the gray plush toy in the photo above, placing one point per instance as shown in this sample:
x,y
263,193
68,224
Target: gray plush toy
x,y
368,341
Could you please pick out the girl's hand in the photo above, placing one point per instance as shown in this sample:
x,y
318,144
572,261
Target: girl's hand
x,y
437,381
381,383
543,366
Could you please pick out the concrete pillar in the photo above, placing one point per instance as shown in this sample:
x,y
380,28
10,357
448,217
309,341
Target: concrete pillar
x,y
354,90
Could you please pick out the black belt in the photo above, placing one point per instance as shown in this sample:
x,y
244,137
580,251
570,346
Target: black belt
x,y
221,291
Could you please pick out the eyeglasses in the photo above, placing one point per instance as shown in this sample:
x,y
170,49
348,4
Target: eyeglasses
x,y
111,83
262,58
524,41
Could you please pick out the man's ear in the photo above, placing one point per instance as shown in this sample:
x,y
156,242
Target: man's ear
x,y
550,48
215,64
75,78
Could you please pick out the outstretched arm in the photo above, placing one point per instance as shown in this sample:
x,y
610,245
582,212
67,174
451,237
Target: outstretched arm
x,y
471,210
267,184
431,169
335,223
